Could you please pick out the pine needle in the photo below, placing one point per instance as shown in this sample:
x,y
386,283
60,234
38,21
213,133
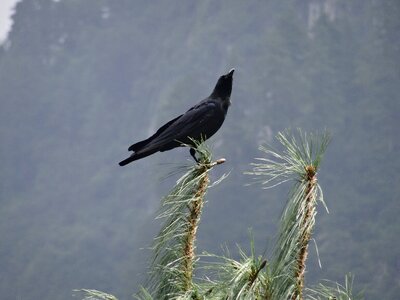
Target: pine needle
x,y
95,295
174,257
299,162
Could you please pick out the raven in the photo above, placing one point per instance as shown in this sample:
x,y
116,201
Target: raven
x,y
199,122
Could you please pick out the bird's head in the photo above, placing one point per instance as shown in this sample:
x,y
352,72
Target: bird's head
x,y
223,88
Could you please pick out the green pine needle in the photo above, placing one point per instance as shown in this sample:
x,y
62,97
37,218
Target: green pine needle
x,y
174,259
95,295
300,150
243,279
299,162
334,291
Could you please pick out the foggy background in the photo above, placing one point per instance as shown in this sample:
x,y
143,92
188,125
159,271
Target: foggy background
x,y
6,11
82,80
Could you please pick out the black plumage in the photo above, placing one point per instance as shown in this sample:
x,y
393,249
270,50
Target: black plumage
x,y
199,122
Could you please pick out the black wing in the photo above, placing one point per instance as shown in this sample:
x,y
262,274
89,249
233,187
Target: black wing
x,y
137,146
203,119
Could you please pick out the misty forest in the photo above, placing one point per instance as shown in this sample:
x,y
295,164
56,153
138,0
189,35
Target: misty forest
x,y
82,80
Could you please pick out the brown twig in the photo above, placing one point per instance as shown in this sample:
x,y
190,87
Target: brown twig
x,y
194,217
309,202
254,276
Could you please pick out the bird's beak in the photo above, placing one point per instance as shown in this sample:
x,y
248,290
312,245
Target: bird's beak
x,y
230,73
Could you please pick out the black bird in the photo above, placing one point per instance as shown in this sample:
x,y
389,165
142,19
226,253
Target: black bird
x,y
200,122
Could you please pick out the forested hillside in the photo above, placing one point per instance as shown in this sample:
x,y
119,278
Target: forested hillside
x,y
81,80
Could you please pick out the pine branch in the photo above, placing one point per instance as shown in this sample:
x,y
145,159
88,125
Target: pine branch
x,y
307,225
334,291
299,161
174,257
243,279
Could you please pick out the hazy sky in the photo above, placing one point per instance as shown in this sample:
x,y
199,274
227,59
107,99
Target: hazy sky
x,y
6,9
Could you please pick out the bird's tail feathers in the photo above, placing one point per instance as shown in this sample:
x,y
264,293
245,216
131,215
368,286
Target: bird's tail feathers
x,y
142,144
138,146
127,161
136,156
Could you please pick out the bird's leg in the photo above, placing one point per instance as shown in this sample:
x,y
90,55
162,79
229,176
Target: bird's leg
x,y
193,154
